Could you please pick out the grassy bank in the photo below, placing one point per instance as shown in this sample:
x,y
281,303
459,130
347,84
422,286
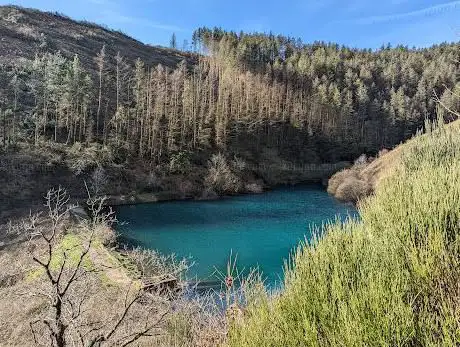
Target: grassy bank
x,y
361,180
391,279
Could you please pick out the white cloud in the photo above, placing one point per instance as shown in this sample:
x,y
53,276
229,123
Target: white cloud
x,y
425,12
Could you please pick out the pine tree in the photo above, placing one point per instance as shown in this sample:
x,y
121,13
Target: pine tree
x,y
15,84
256,86
173,41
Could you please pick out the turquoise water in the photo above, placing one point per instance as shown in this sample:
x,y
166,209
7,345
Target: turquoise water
x,y
261,230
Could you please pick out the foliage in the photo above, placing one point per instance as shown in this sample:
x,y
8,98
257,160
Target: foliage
x,y
348,185
389,279
82,158
180,163
221,178
249,91
353,189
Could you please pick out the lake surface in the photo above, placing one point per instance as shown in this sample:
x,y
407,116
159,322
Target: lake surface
x,y
262,230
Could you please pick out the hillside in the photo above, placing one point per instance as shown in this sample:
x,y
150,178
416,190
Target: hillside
x,y
26,32
362,179
145,123
388,279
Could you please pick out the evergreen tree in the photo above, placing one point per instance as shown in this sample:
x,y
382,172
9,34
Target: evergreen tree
x,y
250,90
173,41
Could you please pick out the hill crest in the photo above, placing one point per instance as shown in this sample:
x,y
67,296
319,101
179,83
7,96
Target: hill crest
x,y
25,32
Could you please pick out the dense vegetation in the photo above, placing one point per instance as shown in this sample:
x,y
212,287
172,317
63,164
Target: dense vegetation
x,y
248,92
391,278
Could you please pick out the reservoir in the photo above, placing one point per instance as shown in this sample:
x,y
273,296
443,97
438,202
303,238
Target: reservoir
x,y
260,230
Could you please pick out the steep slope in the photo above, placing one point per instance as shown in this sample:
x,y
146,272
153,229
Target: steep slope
x,y
24,32
389,279
362,179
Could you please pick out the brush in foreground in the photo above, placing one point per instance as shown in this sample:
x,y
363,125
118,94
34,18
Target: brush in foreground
x,y
391,279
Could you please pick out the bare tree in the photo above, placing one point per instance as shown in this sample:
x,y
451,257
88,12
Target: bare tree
x,y
100,62
99,181
453,96
69,280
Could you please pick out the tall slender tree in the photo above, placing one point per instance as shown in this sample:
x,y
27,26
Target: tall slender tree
x,y
100,62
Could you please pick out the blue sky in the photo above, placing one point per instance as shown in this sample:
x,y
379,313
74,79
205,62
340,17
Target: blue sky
x,y
357,23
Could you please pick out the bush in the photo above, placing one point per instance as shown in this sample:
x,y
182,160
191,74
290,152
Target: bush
x,y
98,181
353,189
362,160
254,187
390,279
341,176
221,178
180,163
382,152
349,185
239,164
82,158
147,263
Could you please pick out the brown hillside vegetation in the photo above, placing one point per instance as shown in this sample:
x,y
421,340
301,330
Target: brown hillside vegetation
x,y
361,180
68,285
25,32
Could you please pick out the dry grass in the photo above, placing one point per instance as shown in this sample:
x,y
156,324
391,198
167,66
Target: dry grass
x,y
353,189
24,291
349,185
108,283
70,37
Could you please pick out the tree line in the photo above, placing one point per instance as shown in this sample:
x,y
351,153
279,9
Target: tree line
x,y
246,90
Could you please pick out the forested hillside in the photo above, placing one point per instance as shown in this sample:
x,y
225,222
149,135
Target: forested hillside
x,y
263,98
350,100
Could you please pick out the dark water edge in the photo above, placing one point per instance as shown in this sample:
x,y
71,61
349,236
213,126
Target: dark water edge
x,y
257,230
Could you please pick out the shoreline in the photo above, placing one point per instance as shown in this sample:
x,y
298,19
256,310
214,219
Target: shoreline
x,y
257,183
160,197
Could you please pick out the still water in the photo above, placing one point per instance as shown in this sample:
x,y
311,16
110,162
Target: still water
x,y
259,230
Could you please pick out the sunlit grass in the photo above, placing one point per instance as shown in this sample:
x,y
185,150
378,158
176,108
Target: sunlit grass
x,y
391,279
72,246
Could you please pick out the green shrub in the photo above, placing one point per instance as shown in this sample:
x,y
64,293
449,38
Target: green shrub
x,y
390,279
180,163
